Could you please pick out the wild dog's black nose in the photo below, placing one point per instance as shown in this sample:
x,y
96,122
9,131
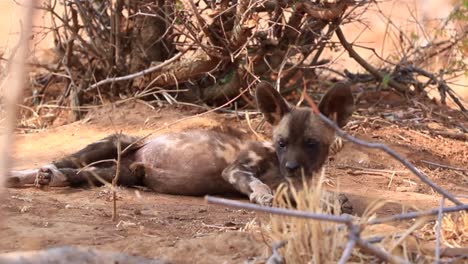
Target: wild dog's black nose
x,y
291,166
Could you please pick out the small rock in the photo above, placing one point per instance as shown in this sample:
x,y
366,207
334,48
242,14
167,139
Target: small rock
x,y
25,208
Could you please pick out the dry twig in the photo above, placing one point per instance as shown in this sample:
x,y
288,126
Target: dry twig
x,y
116,178
444,166
349,248
439,228
413,215
353,54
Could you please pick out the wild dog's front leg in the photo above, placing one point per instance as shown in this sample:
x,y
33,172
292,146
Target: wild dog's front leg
x,y
244,180
254,172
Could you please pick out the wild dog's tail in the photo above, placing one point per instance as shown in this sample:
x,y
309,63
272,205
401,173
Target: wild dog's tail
x,y
106,148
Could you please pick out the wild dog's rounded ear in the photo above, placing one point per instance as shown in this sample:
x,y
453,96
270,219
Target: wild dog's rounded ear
x,y
338,104
270,103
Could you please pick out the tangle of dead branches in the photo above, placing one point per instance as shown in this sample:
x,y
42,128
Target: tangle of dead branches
x,y
117,48
205,52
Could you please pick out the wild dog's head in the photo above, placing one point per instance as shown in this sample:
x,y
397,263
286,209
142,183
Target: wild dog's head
x,y
301,138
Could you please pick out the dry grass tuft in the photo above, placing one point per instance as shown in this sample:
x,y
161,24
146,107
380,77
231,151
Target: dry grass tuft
x,y
303,237
454,230
308,241
313,241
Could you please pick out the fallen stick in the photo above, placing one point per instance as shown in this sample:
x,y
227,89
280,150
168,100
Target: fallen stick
x,y
116,178
343,219
408,216
444,166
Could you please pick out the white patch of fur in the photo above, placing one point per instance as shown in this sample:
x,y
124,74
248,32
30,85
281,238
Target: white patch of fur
x,y
254,158
282,128
233,180
268,145
225,151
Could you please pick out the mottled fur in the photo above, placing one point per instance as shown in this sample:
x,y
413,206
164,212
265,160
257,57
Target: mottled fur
x,y
199,162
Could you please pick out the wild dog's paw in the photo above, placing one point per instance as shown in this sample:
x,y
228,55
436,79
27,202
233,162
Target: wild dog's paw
x,y
50,175
265,199
336,146
345,204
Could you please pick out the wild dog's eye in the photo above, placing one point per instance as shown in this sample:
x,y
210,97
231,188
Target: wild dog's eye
x,y
311,143
281,143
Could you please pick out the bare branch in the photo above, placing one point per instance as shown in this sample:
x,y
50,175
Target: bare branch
x,y
135,75
353,54
208,33
327,14
344,219
412,215
441,84
348,251
395,155
242,13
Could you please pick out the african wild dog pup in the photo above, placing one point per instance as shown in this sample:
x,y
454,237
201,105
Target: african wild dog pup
x,y
199,162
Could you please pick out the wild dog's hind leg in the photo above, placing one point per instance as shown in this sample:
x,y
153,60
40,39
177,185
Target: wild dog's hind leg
x,y
103,149
89,175
21,178
64,171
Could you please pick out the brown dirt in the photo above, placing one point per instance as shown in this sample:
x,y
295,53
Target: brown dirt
x,y
186,229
